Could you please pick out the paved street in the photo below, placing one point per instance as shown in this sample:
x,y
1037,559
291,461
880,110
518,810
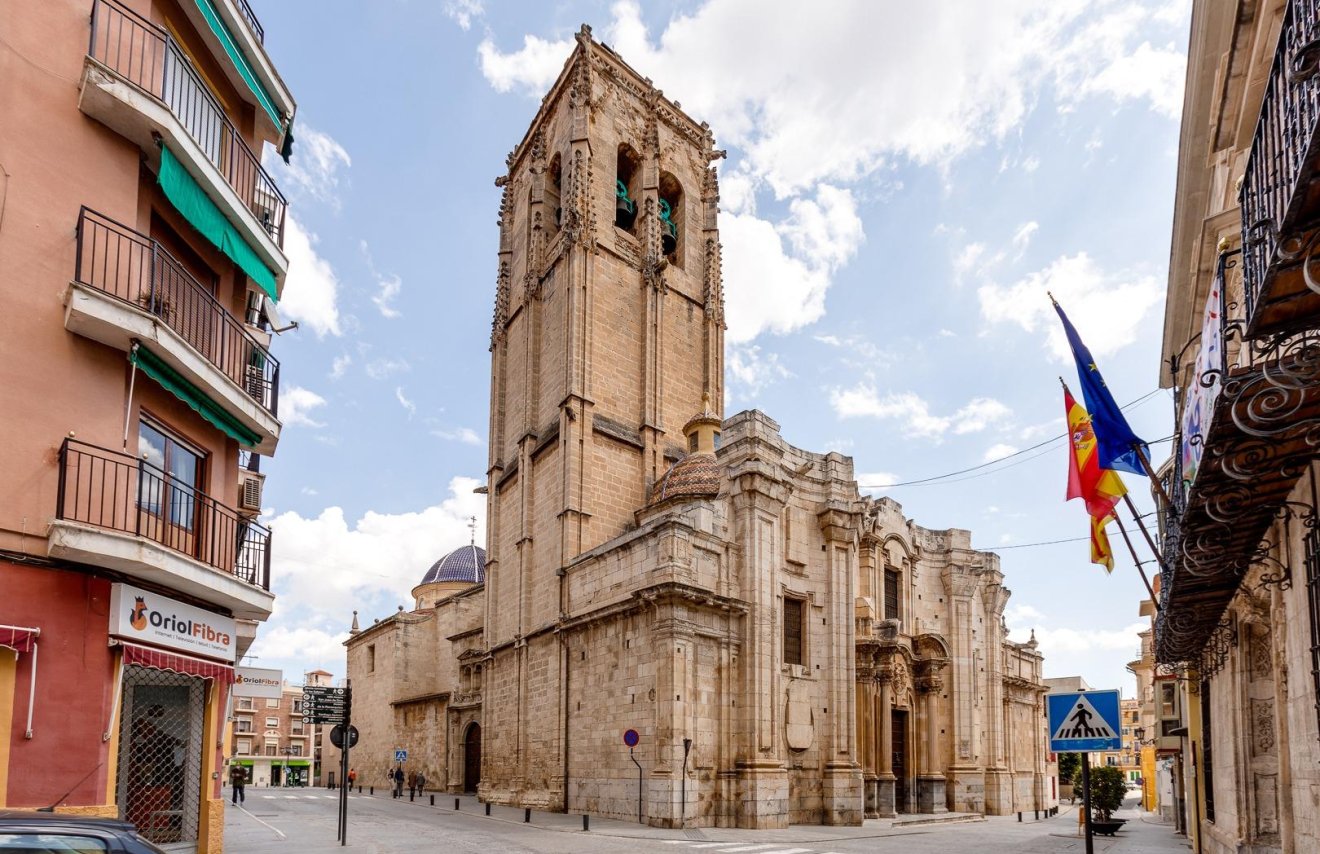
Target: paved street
x,y
282,820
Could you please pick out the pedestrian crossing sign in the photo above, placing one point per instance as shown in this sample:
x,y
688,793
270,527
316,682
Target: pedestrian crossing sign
x,y
1084,721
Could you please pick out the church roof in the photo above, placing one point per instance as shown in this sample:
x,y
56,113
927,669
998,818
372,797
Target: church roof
x,y
695,476
465,563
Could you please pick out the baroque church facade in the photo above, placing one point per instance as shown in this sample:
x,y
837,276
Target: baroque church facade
x,y
786,649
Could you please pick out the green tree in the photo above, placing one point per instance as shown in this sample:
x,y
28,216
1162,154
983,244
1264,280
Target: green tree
x,y
1108,788
1069,765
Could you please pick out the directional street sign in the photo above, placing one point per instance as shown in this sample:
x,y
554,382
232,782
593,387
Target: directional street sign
x,y
325,705
1084,721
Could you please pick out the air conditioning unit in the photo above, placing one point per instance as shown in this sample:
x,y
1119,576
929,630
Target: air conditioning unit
x,y
249,491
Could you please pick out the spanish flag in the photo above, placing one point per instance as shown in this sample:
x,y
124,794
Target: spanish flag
x,y
1099,488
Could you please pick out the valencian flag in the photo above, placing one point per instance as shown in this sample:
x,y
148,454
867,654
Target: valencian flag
x,y
1100,488
1116,443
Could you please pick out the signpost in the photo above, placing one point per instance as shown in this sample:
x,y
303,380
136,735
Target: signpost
x,y
1080,722
400,755
630,738
323,704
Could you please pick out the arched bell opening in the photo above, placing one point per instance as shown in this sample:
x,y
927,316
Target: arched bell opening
x,y
671,218
627,188
553,182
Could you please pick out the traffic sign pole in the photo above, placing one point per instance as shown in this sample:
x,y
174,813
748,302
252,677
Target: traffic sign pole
x,y
1086,800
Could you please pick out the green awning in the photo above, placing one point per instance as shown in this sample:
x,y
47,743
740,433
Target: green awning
x,y
197,207
296,761
162,373
240,61
244,762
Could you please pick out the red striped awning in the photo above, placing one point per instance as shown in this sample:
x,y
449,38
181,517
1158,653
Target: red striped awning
x,y
18,638
159,659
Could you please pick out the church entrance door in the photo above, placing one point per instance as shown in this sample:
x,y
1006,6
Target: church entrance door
x,y
472,758
898,723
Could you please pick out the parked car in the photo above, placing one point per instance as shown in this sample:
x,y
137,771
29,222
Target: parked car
x,y
58,833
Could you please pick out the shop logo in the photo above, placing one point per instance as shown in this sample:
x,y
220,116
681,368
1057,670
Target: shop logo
x,y
138,618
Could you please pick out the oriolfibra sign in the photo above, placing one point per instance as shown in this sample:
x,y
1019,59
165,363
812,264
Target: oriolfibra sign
x,y
142,616
258,682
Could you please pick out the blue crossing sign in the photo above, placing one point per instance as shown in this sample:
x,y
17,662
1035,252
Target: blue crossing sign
x,y
400,756
1084,721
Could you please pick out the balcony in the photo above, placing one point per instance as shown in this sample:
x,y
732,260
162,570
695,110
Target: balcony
x,y
250,18
1280,194
126,288
119,512
1256,436
137,81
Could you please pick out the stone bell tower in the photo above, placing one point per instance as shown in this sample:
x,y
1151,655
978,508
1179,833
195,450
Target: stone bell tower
x,y
608,332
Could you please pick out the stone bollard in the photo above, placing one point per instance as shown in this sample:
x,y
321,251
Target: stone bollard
x,y
527,816
373,790
1019,816
586,822
488,808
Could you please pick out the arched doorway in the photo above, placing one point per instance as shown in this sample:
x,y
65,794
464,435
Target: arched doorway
x,y
472,757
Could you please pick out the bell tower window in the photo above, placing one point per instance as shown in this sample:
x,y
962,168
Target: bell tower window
x,y
671,218
553,205
627,188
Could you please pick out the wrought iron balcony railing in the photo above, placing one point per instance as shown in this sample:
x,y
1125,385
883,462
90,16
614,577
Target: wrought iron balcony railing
x,y
119,492
252,22
1247,426
128,265
1280,194
149,59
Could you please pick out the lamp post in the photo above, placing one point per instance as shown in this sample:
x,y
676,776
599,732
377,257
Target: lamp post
x,y
287,752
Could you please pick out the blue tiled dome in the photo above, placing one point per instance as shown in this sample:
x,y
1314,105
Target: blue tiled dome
x,y
465,563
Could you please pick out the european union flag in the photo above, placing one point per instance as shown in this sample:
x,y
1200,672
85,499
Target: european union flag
x,y
1116,444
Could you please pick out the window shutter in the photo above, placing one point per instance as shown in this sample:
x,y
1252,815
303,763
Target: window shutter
x,y
792,631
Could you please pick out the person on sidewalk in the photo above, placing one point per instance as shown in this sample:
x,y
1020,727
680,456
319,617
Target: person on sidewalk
x,y
238,779
352,778
421,784
412,785
398,781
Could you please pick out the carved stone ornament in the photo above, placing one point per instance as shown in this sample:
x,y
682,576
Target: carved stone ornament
x,y
1262,725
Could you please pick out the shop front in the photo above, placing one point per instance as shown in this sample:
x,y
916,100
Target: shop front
x,y
174,670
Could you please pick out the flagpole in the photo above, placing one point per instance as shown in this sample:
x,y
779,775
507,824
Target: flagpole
x,y
1137,560
1150,541
1150,472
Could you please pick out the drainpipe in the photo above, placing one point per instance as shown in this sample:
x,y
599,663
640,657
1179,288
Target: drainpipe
x,y
687,746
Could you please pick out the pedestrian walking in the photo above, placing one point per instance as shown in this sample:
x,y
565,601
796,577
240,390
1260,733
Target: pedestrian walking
x,y
398,781
421,783
352,777
238,779
412,785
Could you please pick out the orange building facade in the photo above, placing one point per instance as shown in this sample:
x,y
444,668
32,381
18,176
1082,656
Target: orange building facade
x,y
140,262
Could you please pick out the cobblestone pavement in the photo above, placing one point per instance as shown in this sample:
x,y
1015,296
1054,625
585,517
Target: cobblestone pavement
x,y
285,820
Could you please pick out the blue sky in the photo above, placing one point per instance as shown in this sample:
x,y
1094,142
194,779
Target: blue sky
x,y
904,183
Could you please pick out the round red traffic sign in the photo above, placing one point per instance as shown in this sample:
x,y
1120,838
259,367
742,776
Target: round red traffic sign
x,y
631,738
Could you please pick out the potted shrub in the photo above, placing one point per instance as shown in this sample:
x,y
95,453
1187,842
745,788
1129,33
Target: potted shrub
x,y
1108,788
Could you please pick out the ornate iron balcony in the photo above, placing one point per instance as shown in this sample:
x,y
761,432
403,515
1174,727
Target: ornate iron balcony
x,y
1280,194
1257,436
147,58
119,492
129,265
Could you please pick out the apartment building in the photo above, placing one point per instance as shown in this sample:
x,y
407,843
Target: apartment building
x,y
271,742
140,262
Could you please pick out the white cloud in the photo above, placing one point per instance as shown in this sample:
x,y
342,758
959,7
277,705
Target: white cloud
x,y
290,648
979,414
913,412
307,490
1106,308
389,287
311,290
463,12
466,435
531,70
379,369
967,261
329,568
769,288
751,370
297,405
1149,74
1059,640
316,170
340,365
404,401
875,482
998,452
1022,237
